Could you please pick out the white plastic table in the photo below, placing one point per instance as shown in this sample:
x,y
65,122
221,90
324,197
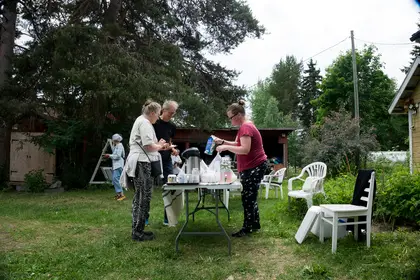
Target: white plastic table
x,y
202,187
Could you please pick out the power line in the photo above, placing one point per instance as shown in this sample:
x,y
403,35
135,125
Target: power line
x,y
384,44
326,49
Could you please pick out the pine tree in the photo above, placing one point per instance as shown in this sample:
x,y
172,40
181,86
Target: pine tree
x,y
415,52
284,85
309,91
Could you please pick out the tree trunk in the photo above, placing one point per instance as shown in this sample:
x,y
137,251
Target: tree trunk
x,y
7,41
112,12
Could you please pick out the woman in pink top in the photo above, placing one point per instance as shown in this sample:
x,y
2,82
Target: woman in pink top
x,y
251,162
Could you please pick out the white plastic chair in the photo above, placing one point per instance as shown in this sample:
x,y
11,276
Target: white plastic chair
x,y
274,181
337,211
314,183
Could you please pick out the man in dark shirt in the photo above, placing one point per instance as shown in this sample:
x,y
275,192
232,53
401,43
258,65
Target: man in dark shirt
x,y
165,129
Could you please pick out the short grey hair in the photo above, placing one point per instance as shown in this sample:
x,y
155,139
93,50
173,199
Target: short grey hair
x,y
151,107
169,103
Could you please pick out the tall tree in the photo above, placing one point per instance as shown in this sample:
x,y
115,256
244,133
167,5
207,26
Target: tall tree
x,y
415,52
258,97
284,85
265,111
309,91
94,63
8,16
376,91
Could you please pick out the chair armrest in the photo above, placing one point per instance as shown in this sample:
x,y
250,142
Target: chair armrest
x,y
270,178
290,182
316,182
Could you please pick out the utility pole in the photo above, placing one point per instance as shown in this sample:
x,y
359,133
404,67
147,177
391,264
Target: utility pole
x,y
356,88
356,100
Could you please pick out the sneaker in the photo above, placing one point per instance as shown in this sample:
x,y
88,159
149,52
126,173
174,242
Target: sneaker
x,y
148,233
165,222
143,237
121,197
146,223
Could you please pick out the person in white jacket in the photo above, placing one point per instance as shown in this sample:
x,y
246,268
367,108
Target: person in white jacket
x,y
144,149
117,156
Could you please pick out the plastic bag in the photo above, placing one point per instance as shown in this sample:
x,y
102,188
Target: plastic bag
x,y
181,178
203,167
215,164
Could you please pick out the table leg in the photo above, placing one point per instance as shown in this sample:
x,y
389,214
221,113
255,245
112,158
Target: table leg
x,y
186,221
200,195
220,224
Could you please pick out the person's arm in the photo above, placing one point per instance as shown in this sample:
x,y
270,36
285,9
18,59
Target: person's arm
x,y
243,149
153,147
173,150
220,141
147,134
116,152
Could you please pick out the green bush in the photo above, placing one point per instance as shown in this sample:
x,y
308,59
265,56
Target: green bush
x,y
384,167
338,190
35,181
399,197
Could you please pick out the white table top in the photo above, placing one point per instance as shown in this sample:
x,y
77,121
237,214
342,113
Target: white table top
x,y
210,186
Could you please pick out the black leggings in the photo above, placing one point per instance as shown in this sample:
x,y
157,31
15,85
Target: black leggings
x,y
142,197
250,180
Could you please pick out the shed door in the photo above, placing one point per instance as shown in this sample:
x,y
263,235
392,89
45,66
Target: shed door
x,y
19,157
26,156
40,159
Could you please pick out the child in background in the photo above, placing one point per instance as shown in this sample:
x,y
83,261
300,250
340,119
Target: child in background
x,y
117,156
176,162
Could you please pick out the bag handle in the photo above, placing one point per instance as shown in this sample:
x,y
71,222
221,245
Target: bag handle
x,y
144,152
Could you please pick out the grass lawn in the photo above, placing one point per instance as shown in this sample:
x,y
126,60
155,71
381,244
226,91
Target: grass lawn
x,y
86,235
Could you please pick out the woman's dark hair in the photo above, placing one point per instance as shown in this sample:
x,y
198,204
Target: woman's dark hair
x,y
237,108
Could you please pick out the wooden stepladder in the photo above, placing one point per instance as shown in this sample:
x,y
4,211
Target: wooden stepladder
x,y
107,171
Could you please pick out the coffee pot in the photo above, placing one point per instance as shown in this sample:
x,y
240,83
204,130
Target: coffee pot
x,y
192,160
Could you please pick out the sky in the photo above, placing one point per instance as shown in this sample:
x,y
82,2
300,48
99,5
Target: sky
x,y
304,28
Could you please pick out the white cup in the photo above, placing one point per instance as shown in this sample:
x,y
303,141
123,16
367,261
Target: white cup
x,y
171,179
188,178
180,178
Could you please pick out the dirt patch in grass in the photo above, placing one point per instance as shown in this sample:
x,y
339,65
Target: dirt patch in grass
x,y
381,227
269,258
7,242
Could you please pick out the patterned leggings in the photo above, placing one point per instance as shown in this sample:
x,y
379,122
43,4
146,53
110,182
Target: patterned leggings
x,y
250,180
142,197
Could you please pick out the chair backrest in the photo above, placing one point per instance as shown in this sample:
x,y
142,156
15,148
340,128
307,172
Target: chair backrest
x,y
316,169
279,174
370,193
267,178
